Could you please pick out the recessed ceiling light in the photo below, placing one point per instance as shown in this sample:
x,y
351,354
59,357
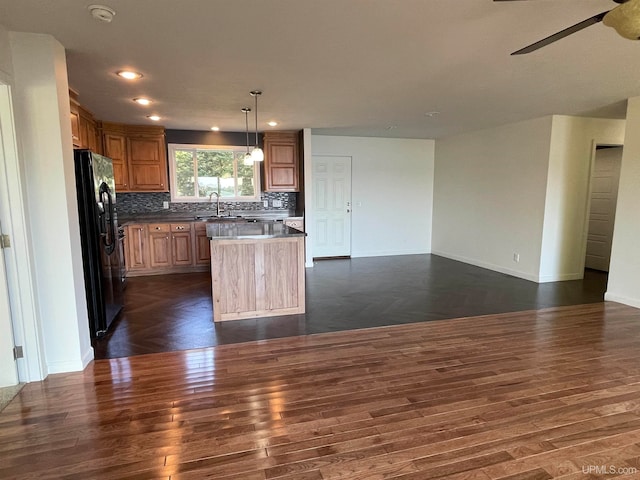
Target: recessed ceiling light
x,y
431,114
155,118
129,74
272,123
142,101
215,129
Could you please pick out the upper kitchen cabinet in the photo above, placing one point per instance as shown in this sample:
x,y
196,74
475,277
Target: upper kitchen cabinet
x,y
84,130
281,162
139,156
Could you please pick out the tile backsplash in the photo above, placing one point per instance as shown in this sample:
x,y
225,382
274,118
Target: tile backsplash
x,y
130,203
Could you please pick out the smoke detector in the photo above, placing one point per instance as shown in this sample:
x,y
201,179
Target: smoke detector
x,y
102,13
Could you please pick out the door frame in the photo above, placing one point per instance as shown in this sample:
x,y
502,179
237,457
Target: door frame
x,y
587,212
18,259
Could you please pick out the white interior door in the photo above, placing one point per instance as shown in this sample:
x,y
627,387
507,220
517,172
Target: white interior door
x,y
8,368
604,197
331,206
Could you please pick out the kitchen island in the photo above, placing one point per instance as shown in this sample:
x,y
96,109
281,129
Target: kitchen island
x,y
257,270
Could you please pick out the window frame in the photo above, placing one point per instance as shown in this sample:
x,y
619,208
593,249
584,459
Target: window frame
x,y
171,149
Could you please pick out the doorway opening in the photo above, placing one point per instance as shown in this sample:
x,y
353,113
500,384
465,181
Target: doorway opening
x,y
603,199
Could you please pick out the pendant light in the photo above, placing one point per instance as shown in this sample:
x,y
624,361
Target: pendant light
x,y
248,159
257,154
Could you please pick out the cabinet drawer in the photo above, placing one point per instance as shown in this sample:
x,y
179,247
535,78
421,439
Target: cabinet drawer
x,y
159,227
200,226
180,227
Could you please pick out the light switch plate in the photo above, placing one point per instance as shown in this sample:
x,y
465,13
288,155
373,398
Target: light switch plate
x,y
165,205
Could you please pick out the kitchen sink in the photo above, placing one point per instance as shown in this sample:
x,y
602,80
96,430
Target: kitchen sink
x,y
217,218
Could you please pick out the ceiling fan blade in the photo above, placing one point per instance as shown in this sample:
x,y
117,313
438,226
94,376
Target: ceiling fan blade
x,y
561,34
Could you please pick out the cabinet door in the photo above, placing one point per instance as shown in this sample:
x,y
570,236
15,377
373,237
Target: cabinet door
x,y
281,162
115,147
160,245
203,247
93,143
75,127
159,249
136,245
182,244
147,163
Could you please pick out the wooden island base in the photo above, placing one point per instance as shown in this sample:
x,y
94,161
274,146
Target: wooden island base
x,y
257,277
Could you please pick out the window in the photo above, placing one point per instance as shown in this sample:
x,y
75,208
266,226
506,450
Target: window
x,y
199,170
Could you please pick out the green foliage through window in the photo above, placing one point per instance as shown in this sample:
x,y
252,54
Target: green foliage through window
x,y
200,171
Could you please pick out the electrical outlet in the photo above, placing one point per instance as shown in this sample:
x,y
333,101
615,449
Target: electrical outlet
x,y
165,205
516,257
277,203
265,204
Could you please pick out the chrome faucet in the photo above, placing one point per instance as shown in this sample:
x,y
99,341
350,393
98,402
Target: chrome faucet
x,y
217,201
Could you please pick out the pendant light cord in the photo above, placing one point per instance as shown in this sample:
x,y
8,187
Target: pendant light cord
x,y
246,126
256,95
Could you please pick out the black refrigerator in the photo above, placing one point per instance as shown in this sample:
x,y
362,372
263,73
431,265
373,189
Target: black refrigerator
x,y
100,238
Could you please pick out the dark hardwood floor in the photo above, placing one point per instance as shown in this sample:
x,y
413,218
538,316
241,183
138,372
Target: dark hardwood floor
x,y
174,312
535,395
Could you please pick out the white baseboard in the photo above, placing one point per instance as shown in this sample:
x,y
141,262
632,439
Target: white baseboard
x,y
488,266
560,278
88,357
66,367
388,253
612,297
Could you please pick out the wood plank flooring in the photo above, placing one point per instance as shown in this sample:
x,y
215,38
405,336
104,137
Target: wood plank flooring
x,y
553,393
174,312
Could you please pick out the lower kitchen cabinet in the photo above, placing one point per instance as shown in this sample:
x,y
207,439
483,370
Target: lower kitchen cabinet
x,y
202,245
159,245
159,248
136,250
181,244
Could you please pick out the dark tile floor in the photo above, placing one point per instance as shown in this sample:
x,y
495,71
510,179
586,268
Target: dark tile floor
x,y
173,312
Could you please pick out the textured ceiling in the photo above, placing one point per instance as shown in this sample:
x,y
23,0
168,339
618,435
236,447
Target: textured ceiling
x,y
342,67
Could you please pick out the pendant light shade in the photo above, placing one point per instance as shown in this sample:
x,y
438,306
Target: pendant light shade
x,y
248,159
256,154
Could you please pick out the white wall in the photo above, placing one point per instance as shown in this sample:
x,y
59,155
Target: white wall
x,y
391,191
573,141
489,196
624,270
44,132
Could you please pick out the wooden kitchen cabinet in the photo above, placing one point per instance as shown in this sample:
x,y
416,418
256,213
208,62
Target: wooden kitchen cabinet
x,y
84,130
139,155
281,162
201,244
136,254
115,147
88,131
75,124
181,244
160,245
161,248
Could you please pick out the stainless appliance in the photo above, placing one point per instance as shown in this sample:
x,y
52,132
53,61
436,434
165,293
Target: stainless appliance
x,y
99,235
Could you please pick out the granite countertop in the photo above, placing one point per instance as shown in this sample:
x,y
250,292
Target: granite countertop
x,y
257,230
164,217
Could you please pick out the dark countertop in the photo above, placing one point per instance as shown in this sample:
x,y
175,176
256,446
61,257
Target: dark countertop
x,y
168,217
257,230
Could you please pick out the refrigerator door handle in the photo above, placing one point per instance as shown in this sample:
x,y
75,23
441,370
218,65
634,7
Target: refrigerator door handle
x,y
109,237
